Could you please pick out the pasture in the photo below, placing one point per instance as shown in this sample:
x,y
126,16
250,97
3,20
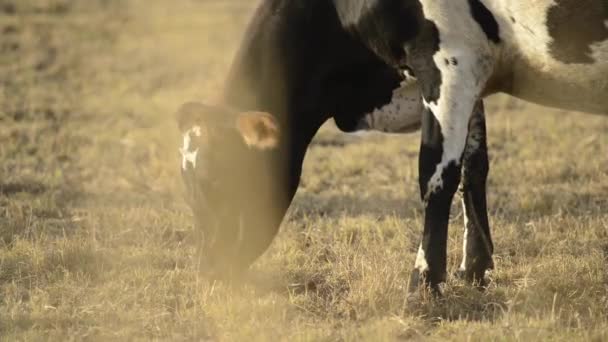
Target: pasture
x,y
95,237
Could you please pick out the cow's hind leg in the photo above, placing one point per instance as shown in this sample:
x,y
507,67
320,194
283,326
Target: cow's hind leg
x,y
477,243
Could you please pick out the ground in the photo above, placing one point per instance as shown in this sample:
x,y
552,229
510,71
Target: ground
x,y
95,239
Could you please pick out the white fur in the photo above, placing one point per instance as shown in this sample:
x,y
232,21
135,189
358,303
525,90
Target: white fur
x,y
463,264
421,263
189,157
401,115
462,84
409,78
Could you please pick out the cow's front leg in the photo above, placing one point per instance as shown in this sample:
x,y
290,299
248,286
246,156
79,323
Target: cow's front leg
x,y
452,81
439,176
477,244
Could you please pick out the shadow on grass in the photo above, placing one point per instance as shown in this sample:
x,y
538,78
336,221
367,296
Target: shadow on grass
x,y
325,294
461,303
306,204
32,188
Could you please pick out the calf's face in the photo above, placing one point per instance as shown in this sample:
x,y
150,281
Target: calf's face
x,y
227,160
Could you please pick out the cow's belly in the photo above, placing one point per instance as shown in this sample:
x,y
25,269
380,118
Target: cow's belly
x,y
570,87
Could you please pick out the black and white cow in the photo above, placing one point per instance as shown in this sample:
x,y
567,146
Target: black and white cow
x,y
305,61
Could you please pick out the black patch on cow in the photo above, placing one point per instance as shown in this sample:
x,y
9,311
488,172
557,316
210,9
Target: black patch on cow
x,y
431,148
420,59
304,61
382,25
474,178
398,32
436,220
358,90
575,25
485,19
437,211
451,61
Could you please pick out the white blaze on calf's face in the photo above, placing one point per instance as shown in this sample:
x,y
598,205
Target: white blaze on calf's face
x,y
188,155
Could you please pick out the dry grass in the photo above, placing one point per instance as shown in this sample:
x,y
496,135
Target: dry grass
x,y
94,234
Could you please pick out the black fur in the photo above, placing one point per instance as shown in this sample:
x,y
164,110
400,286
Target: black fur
x,y
420,59
474,177
398,32
437,203
573,46
485,19
382,25
298,62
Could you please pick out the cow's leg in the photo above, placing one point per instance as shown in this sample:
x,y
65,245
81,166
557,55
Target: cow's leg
x,y
452,79
439,176
477,244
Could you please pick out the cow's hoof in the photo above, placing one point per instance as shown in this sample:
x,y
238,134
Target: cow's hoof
x,y
477,278
421,287
475,271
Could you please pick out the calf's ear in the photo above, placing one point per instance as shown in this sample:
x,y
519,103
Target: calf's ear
x,y
258,129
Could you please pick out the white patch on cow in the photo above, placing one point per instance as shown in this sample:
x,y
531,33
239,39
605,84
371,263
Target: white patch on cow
x,y
462,84
463,264
189,156
401,115
421,264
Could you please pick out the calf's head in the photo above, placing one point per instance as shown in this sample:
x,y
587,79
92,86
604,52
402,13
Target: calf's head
x,y
227,160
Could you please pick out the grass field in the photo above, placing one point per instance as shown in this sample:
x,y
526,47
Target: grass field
x,y
95,236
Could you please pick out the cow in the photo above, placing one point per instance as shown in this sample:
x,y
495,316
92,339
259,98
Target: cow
x,y
305,61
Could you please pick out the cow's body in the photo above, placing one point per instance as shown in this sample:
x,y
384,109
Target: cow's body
x,y
539,55
305,61
553,53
